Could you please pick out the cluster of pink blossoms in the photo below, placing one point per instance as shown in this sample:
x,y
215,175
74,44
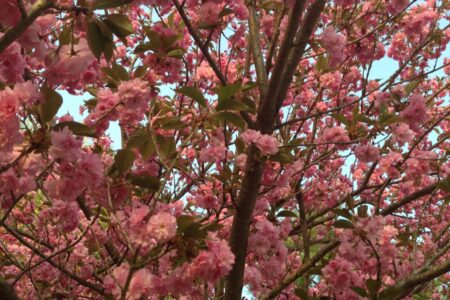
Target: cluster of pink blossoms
x,y
10,13
12,64
367,153
209,265
334,43
216,150
68,65
266,143
416,112
118,226
337,136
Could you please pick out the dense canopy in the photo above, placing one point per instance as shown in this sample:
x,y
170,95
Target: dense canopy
x,y
270,149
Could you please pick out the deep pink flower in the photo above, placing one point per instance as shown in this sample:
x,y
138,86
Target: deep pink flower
x,y
367,153
416,112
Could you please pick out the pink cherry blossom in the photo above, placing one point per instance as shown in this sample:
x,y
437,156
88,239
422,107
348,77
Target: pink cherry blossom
x,y
266,143
9,14
9,104
416,112
367,153
334,43
65,145
162,227
213,263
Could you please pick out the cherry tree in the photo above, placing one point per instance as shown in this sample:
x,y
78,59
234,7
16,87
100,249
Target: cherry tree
x,y
260,156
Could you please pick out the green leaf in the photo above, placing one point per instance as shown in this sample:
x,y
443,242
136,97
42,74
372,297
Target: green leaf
x,y
410,87
104,4
231,105
95,39
343,213
240,145
213,226
302,293
228,91
183,222
104,29
111,74
194,231
445,184
343,223
109,50
170,123
140,71
166,146
76,128
373,286
149,182
193,93
124,160
187,226
287,214
225,12
120,25
388,119
142,48
65,37
121,72
50,107
142,140
235,119
283,156
360,291
322,63
341,119
177,53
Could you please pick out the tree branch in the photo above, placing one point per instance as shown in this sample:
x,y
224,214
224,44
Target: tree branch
x,y
251,181
396,205
404,287
268,104
199,43
14,33
55,265
255,45
299,272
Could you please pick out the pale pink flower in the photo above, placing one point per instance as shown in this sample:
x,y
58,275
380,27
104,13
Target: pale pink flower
x,y
27,92
214,263
401,134
266,143
65,145
12,63
162,226
250,136
334,43
338,272
213,153
68,65
9,133
9,104
336,135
